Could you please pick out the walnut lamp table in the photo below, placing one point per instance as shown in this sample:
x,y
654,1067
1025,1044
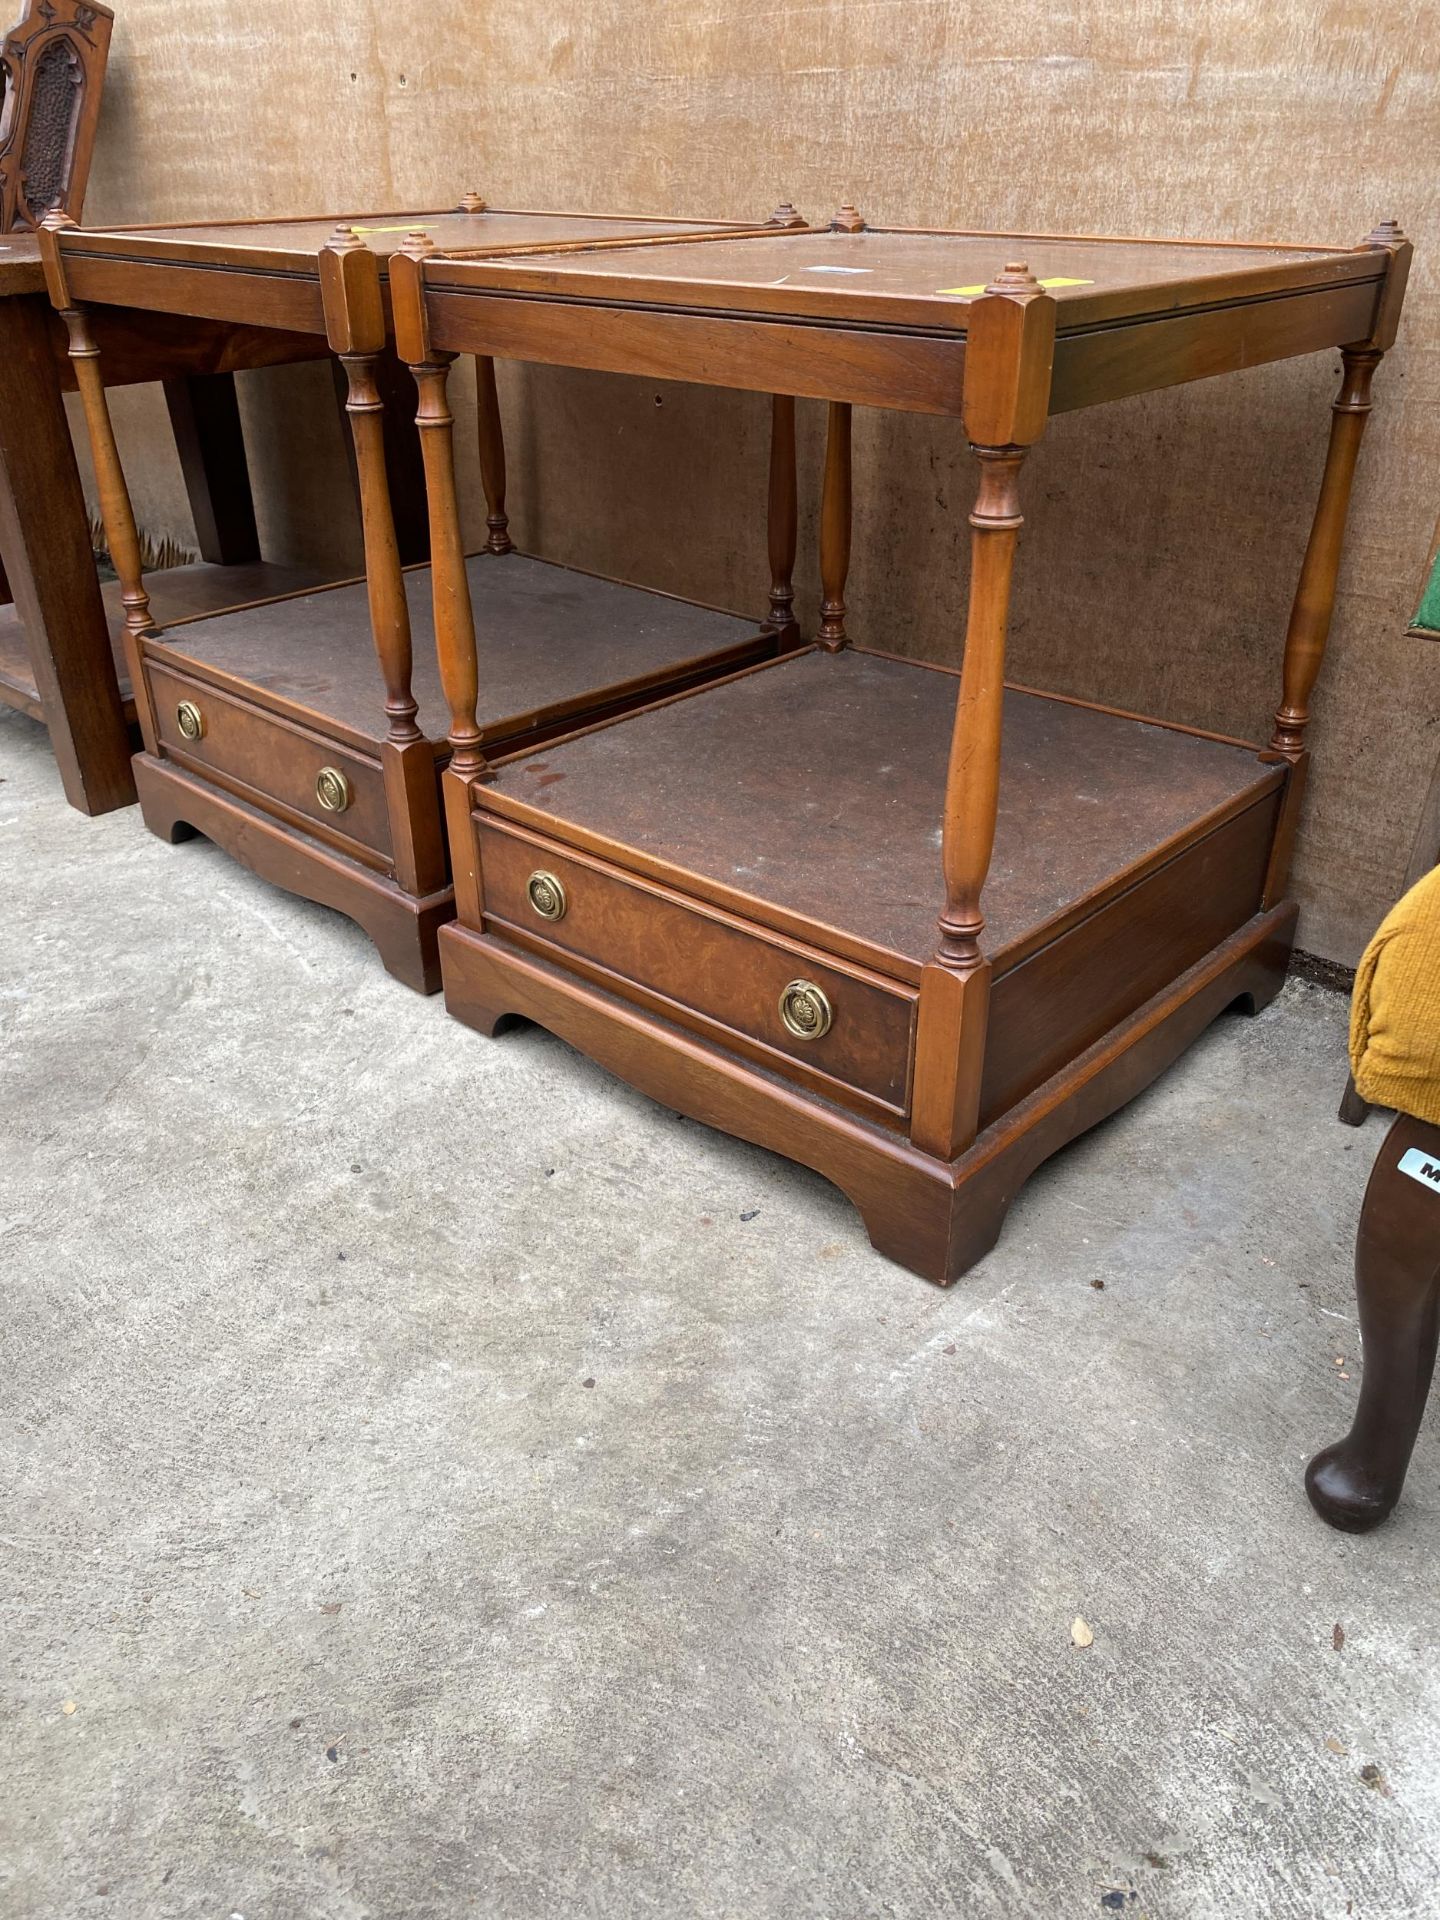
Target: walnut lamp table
x,y
837,904
270,728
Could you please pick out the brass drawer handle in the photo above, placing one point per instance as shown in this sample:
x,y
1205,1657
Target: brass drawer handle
x,y
190,720
805,1009
546,894
332,790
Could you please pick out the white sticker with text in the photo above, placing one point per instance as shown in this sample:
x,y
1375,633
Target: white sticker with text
x,y
1423,1167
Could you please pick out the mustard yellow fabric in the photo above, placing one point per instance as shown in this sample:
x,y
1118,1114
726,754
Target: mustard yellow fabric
x,y
1395,1014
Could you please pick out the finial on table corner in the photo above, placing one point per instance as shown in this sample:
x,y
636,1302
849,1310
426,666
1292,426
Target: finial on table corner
x,y
1014,277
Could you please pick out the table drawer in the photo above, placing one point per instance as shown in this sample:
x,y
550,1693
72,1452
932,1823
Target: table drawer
x,y
275,763
846,1029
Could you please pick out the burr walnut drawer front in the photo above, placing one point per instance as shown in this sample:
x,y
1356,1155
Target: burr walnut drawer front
x,y
277,764
779,1003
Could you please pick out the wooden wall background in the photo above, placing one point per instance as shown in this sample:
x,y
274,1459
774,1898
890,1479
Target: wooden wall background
x,y
1163,535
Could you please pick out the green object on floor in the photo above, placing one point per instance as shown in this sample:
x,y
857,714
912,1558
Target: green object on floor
x,y
1427,614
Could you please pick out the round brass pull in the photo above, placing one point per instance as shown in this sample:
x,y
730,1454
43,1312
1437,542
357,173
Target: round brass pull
x,y
190,720
546,895
805,1009
332,790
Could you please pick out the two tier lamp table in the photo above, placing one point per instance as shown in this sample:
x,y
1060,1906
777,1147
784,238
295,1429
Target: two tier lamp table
x,y
842,904
273,728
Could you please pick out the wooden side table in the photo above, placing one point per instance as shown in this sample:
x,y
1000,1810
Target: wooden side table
x,y
303,733
914,929
61,651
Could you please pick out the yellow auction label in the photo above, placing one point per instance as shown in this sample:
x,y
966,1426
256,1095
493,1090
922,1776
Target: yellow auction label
x,y
971,293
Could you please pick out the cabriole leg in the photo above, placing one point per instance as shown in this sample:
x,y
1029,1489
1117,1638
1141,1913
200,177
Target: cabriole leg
x,y
1356,1483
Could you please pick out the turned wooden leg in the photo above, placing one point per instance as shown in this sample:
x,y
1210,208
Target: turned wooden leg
x,y
835,529
955,986
450,581
1006,399
355,327
404,480
492,456
783,512
122,536
1314,603
1356,1483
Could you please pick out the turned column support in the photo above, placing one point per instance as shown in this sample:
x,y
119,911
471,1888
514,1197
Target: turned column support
x,y
784,512
1314,604
492,456
454,615
355,327
972,784
1009,353
389,614
122,536
835,504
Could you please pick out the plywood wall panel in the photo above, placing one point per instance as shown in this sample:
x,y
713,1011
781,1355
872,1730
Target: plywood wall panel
x,y
1163,535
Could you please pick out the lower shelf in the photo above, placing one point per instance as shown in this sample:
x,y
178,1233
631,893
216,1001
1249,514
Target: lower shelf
x,y
750,877
176,593
274,713
554,646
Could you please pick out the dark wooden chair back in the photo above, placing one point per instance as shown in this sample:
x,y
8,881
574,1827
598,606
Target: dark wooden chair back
x,y
52,70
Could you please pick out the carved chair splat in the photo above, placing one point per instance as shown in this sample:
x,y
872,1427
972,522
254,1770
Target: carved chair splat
x,y
52,73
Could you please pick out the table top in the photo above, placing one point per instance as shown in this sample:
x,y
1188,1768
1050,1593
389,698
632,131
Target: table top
x,y
926,278
875,317
292,246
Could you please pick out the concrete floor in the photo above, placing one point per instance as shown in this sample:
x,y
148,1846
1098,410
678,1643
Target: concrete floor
x,y
440,1482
